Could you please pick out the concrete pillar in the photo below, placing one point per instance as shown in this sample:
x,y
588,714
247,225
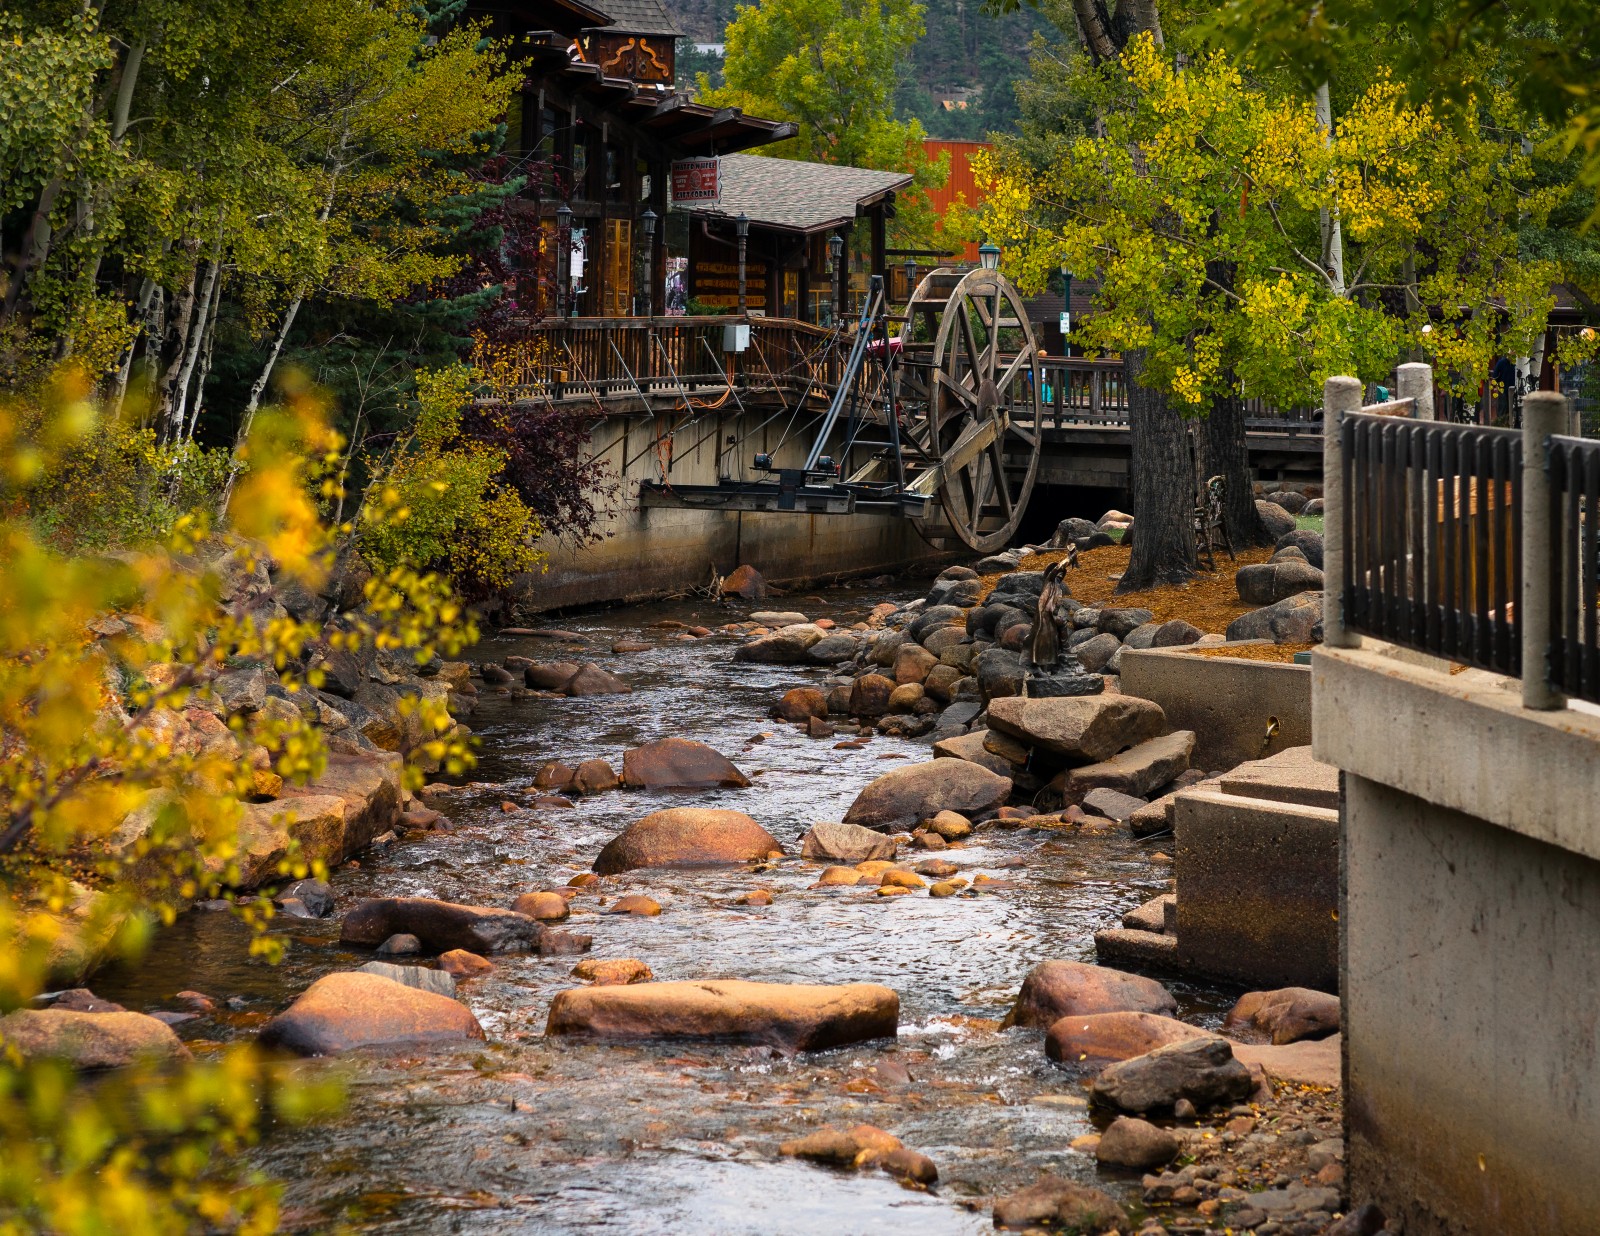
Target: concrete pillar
x,y
1340,396
1415,381
1544,414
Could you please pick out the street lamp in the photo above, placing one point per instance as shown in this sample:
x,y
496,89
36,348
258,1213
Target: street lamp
x,y
648,221
563,257
1066,309
836,260
911,278
989,255
741,225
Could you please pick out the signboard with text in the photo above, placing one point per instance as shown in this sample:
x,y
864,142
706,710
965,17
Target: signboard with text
x,y
696,180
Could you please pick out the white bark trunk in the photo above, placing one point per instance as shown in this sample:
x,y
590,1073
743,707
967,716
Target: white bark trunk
x,y
1332,239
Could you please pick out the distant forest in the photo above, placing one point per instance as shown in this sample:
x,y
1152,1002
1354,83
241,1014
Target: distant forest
x,y
965,53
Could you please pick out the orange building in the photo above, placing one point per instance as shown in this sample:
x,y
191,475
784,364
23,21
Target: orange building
x,y
958,187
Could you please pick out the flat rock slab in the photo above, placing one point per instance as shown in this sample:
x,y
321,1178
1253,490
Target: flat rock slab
x,y
440,982
1291,776
1313,1062
1102,1038
352,1010
679,763
1132,946
687,837
440,925
794,1017
971,747
845,843
1136,771
899,799
1090,727
88,1041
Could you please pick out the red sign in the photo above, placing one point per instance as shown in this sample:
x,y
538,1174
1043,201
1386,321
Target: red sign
x,y
696,180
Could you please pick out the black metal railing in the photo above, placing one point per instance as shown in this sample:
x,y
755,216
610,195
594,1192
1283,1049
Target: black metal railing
x,y
1433,537
1573,663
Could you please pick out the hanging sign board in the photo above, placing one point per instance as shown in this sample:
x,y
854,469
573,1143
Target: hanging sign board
x,y
696,180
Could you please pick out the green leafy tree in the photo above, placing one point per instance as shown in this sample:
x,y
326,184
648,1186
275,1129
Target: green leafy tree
x,y
1199,204
832,67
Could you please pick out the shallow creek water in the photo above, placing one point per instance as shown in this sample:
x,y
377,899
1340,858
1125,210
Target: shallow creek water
x,y
530,1134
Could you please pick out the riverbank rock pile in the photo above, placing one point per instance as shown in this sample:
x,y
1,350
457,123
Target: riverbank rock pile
x,y
1253,1110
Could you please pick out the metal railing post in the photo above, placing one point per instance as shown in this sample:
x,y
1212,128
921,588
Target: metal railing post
x,y
1340,396
1544,414
1415,381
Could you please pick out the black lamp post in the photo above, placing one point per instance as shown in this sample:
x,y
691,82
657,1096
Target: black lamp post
x,y
648,220
989,255
563,257
1066,310
911,278
836,256
741,226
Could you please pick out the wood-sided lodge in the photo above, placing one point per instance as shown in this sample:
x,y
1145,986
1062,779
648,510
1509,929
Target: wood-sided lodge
x,y
597,130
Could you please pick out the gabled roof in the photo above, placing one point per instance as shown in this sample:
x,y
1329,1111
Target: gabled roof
x,y
639,17
796,196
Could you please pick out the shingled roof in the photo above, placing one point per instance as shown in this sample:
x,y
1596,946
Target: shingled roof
x,y
796,196
639,17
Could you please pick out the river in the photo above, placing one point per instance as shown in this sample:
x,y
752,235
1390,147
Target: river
x,y
526,1134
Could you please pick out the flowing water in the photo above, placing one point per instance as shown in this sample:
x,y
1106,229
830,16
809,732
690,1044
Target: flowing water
x,y
532,1134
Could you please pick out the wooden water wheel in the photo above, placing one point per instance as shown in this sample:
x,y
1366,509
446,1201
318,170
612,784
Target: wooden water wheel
x,y
969,390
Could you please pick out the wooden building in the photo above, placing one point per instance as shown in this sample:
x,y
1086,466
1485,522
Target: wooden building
x,y
598,127
792,209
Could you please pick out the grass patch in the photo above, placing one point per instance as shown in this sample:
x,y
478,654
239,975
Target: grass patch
x,y
1311,523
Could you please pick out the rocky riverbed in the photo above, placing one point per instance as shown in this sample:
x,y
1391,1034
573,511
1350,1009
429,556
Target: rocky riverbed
x,y
550,1121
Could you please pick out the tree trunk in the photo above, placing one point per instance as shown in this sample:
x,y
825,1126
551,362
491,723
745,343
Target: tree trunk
x,y
169,427
196,338
1161,479
1225,453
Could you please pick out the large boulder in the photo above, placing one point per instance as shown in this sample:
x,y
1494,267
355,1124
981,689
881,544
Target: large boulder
x,y
912,663
678,763
1201,1070
1137,1144
687,837
1268,582
1096,652
85,1040
1085,727
551,676
972,748
790,1016
785,646
343,1012
1307,541
898,799
1057,989
1277,521
439,982
440,925
745,582
869,696
832,648
592,680
1294,620
1284,1016
1122,622
801,702
1101,1038
1176,633
1071,531
845,843
999,672
1057,1204
1288,499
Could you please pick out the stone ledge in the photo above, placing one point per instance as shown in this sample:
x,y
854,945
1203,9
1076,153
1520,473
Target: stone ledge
x,y
1467,744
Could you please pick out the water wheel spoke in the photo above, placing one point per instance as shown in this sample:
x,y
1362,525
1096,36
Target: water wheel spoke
x,y
959,390
970,341
1002,491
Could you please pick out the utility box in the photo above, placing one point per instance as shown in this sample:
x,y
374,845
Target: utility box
x,y
736,336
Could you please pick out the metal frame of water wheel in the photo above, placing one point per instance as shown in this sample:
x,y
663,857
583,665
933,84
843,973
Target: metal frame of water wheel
x,y
978,421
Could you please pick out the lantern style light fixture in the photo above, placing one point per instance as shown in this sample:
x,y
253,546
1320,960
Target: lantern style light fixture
x,y
648,222
563,258
741,227
911,278
989,255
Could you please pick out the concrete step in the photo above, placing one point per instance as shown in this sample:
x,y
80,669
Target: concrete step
x,y
1291,776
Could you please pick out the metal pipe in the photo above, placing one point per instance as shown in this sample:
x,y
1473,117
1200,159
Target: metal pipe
x,y
1340,396
1544,415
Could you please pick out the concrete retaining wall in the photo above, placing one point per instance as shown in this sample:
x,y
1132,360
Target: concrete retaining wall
x,y
1258,890
653,552
1471,917
1227,701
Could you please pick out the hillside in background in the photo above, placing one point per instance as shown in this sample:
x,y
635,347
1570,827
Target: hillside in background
x,y
958,79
